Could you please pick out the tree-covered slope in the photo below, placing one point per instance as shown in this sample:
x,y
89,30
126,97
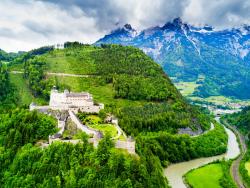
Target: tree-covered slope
x,y
119,77
23,164
187,52
6,57
241,119
7,94
136,90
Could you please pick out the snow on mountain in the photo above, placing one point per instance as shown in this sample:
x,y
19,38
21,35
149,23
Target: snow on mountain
x,y
201,50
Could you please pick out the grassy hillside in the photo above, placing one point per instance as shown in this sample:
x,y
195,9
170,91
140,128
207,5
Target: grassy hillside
x,y
25,96
128,82
118,77
134,88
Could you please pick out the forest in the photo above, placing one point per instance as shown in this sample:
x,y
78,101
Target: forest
x,y
160,117
8,97
176,148
240,119
23,164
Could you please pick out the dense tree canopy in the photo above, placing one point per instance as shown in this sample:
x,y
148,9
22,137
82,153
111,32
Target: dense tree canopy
x,y
177,148
7,94
62,164
4,81
155,117
240,119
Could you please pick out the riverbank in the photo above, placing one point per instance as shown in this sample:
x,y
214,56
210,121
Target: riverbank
x,y
175,172
235,167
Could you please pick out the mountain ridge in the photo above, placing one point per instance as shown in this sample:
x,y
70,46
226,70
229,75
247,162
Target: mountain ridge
x,y
185,51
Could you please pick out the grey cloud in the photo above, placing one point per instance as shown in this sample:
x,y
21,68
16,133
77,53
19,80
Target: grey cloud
x,y
221,13
6,32
146,13
45,30
106,12
143,13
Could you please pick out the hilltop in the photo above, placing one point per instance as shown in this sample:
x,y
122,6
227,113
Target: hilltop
x,y
117,76
133,88
130,85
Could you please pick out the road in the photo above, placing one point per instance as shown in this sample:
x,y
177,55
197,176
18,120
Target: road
x,y
59,74
236,163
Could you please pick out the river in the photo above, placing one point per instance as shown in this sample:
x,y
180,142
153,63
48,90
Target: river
x,y
175,172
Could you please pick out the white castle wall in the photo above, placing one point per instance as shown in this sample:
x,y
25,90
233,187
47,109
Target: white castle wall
x,y
73,101
57,99
80,126
128,145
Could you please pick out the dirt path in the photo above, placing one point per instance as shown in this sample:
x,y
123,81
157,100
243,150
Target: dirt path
x,y
236,163
67,75
59,74
16,72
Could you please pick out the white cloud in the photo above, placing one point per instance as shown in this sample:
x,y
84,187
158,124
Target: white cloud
x,y
33,24
29,24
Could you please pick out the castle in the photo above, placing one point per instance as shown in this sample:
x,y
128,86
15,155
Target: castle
x,y
73,101
70,101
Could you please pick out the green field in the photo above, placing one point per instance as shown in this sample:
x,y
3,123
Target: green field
x,y
72,62
217,100
205,177
106,129
95,122
22,88
23,91
102,92
247,166
186,88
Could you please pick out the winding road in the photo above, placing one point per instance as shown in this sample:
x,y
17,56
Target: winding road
x,y
236,163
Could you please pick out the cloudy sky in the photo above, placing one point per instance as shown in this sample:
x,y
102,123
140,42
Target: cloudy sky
x,y
28,24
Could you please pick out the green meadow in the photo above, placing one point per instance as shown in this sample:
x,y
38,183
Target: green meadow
x,y
205,177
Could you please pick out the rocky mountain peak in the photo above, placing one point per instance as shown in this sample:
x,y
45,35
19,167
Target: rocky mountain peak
x,y
175,24
128,27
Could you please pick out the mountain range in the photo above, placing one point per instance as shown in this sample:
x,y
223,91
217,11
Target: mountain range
x,y
218,60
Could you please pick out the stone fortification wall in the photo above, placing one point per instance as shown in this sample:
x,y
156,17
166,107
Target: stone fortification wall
x,y
82,127
128,145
